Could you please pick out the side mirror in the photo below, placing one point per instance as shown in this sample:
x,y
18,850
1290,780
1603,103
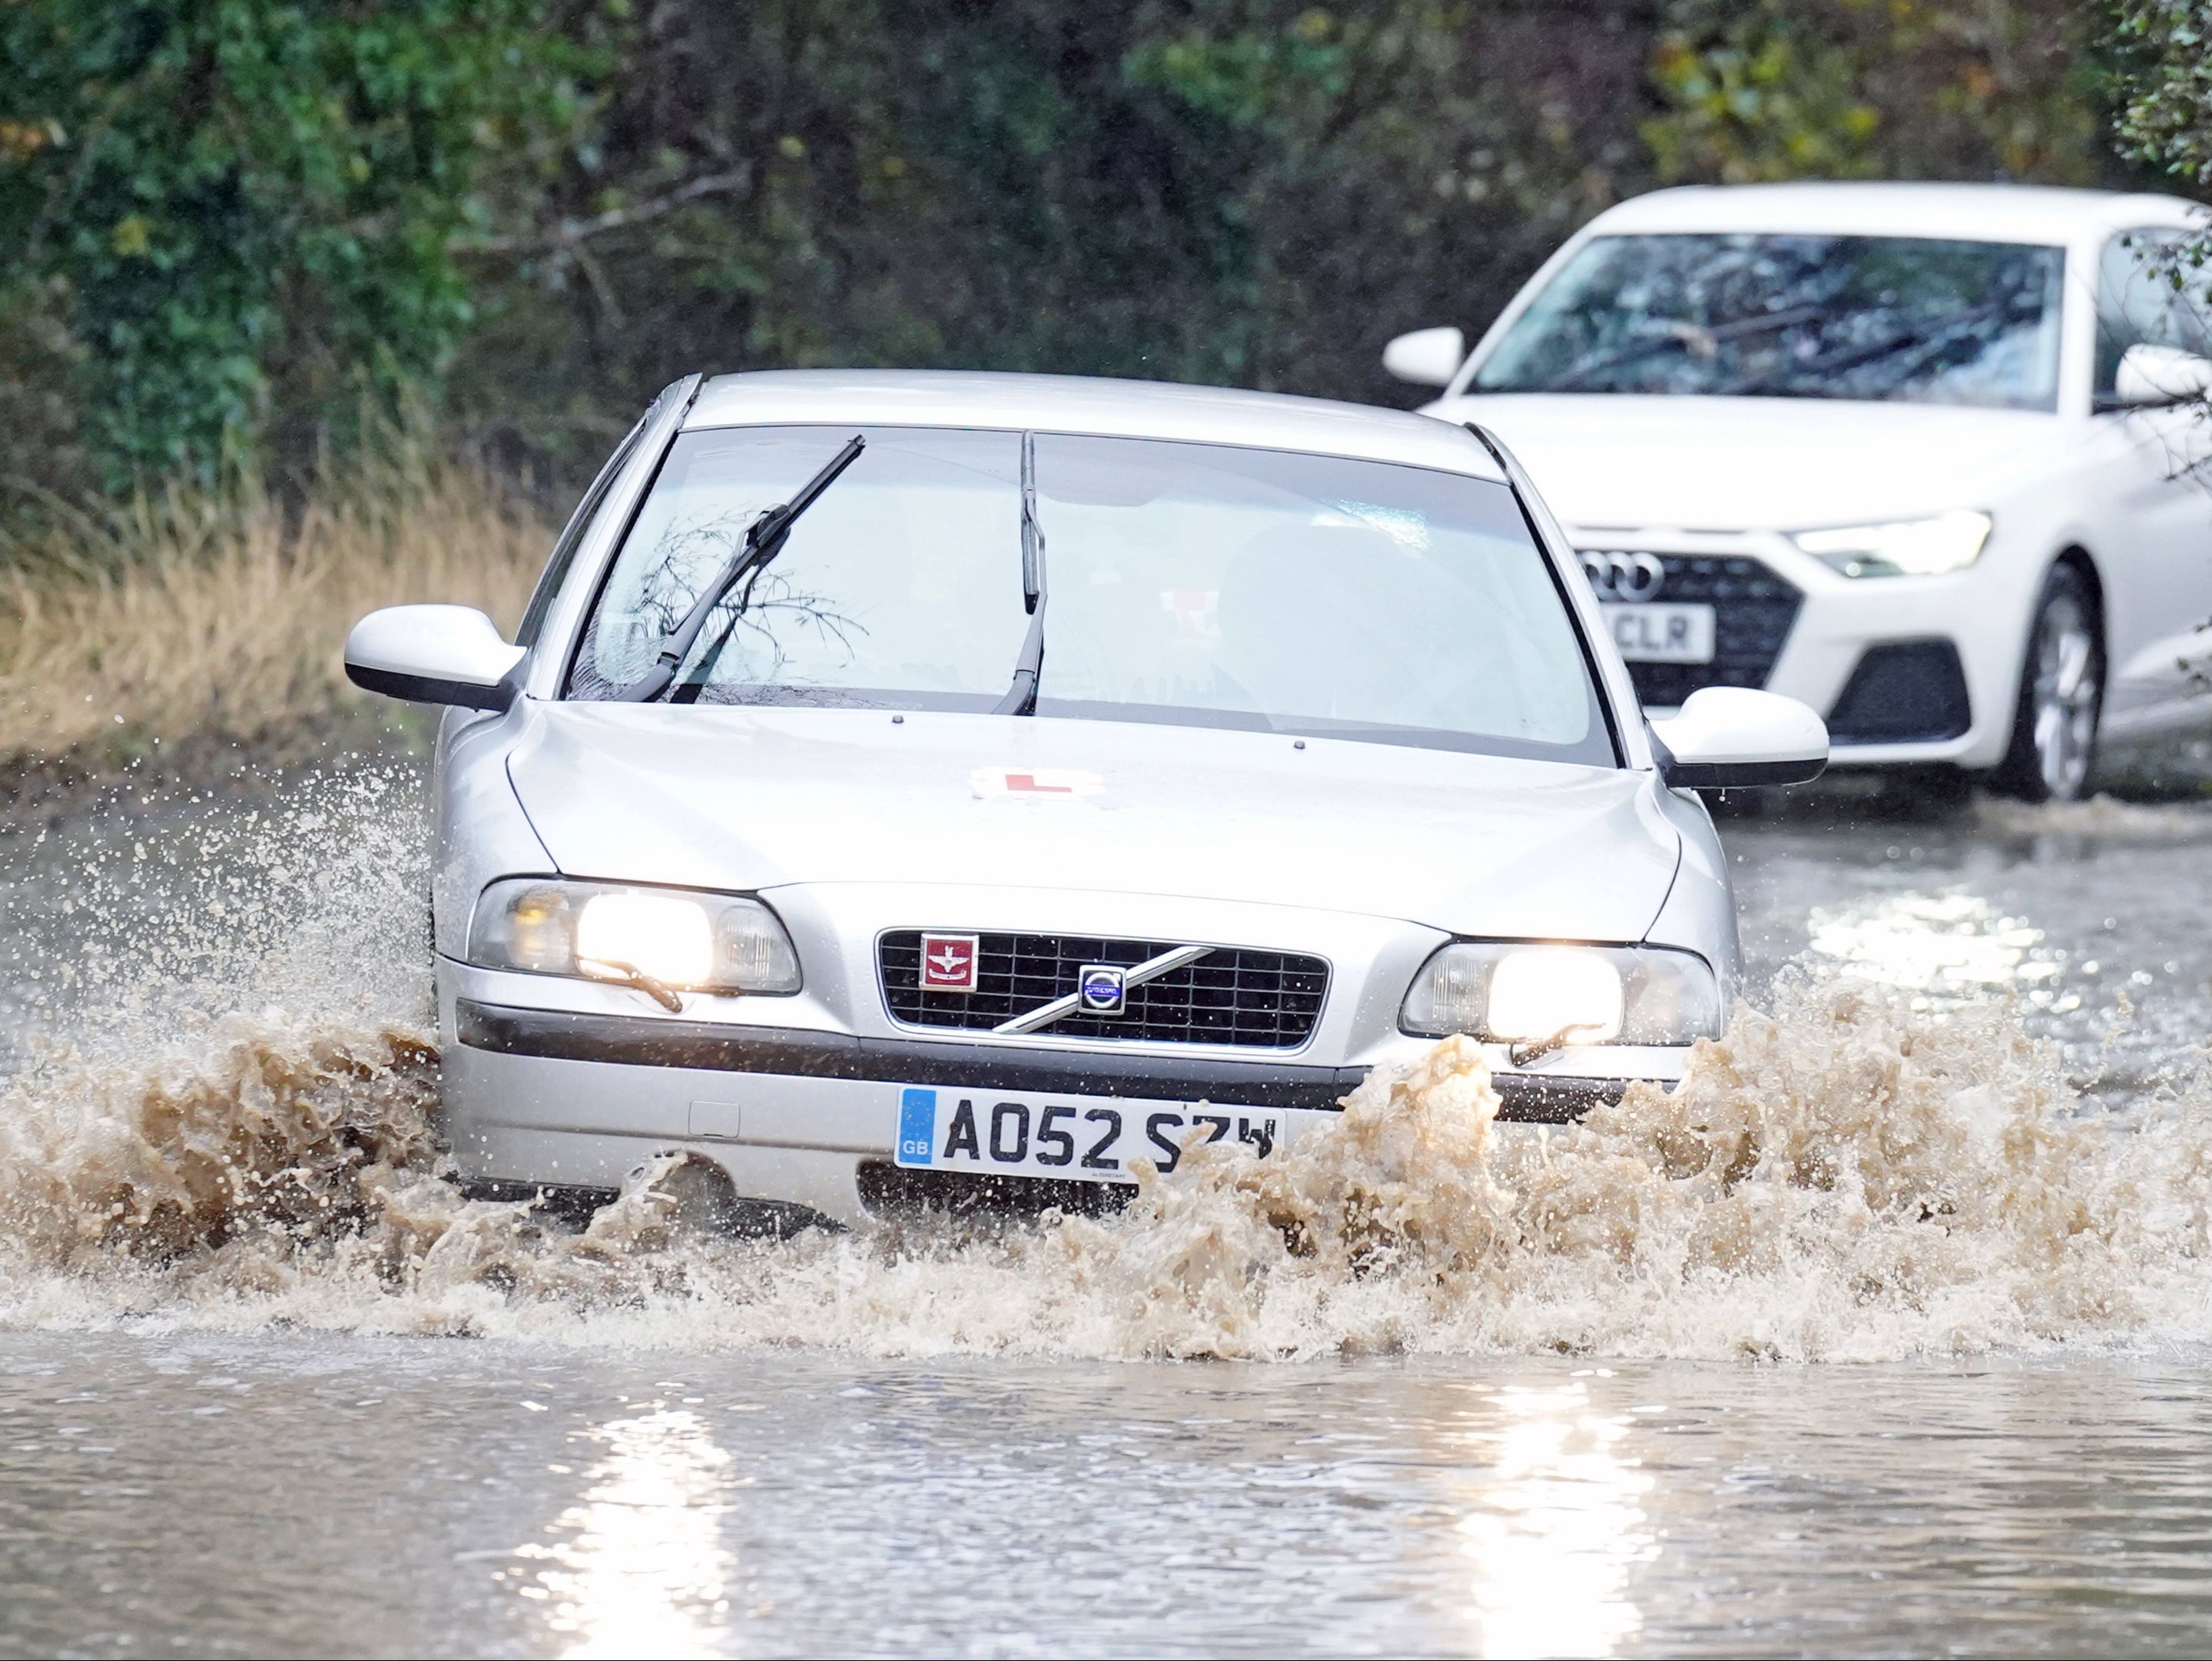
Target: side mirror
x,y
1730,738
2160,374
1427,357
432,655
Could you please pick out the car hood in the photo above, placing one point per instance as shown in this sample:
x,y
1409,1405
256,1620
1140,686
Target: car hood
x,y
748,798
1745,463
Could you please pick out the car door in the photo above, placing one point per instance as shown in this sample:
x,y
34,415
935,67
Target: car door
x,y
2156,547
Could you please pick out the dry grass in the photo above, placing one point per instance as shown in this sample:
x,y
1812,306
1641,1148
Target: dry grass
x,y
190,615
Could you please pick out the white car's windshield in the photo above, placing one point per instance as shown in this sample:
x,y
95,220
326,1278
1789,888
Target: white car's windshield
x,y
1872,317
1189,583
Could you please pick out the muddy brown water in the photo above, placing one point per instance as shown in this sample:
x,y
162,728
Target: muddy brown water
x,y
351,1416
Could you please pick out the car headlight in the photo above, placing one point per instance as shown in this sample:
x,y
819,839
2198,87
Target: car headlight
x,y
608,931
1511,994
1908,548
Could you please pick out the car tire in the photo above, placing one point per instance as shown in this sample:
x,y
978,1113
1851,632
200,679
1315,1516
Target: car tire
x,y
2062,694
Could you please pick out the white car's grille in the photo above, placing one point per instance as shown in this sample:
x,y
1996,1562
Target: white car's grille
x,y
1232,996
1753,608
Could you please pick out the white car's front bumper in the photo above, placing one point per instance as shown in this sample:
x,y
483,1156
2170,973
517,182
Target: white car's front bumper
x,y
1979,613
579,1094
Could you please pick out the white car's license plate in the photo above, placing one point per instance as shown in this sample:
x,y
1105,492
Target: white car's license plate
x,y
1662,633
1085,1139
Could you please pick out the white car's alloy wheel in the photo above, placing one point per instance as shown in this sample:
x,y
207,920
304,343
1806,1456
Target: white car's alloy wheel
x,y
2065,698
2064,688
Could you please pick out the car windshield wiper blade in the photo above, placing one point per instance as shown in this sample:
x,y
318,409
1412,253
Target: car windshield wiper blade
x,y
764,539
1021,696
1852,357
1696,339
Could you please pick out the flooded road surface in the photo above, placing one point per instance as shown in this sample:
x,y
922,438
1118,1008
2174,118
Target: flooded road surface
x,y
296,1493
1929,1373
2095,918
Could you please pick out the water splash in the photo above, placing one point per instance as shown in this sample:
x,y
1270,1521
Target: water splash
x,y
1865,1172
164,910
1853,1180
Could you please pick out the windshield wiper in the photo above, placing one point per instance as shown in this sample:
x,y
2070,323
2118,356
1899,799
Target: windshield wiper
x,y
1021,696
764,539
1932,340
1694,339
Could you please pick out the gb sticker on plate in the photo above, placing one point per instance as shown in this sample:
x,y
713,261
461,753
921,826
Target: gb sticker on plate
x,y
917,1126
949,963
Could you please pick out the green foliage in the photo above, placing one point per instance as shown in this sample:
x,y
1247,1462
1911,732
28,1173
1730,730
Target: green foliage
x,y
1241,190
2166,120
1254,76
39,359
252,205
227,227
1776,89
1760,97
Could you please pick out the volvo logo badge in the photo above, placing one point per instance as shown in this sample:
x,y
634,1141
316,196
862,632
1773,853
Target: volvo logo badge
x,y
1630,576
1102,988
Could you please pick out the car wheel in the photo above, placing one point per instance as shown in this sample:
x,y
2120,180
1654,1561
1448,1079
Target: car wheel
x,y
2062,692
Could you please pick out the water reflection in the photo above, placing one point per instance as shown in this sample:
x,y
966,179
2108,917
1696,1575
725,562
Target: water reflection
x,y
1558,1527
1954,945
643,1571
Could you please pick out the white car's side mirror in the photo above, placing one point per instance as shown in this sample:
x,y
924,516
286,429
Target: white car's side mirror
x,y
1730,738
432,655
2160,374
1427,357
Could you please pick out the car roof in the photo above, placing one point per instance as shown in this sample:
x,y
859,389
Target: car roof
x,y
1977,213
1076,403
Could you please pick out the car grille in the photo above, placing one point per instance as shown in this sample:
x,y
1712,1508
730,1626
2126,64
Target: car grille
x,y
1753,610
1260,1000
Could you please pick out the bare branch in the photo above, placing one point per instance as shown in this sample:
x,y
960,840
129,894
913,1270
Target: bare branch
x,y
571,233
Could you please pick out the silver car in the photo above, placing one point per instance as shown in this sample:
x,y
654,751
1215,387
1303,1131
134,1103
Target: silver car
x,y
905,788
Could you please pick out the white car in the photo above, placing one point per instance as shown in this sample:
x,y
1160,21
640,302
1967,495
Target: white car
x,y
1921,456
909,787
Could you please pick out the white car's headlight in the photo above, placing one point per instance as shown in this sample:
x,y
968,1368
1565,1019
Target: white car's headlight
x,y
606,931
1908,548
1510,994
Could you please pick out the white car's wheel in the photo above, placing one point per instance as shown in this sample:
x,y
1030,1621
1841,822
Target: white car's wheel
x,y
2062,691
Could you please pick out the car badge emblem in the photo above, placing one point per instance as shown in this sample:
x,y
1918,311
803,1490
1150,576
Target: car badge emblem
x,y
1104,987
1635,577
950,963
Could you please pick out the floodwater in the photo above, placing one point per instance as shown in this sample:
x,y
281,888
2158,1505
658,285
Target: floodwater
x,y
297,1494
1927,1373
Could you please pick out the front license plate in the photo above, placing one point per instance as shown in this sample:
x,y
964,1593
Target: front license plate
x,y
1662,633
992,1132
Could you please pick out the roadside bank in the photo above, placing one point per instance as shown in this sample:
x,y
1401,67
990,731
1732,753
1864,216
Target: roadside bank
x,y
178,637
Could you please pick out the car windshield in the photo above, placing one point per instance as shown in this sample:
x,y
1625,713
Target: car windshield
x,y
1869,318
1193,584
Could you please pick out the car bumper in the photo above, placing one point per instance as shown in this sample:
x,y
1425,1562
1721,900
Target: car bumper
x,y
1980,613
1845,621
580,1098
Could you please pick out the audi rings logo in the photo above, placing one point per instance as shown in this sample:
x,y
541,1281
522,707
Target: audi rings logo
x,y
1637,576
